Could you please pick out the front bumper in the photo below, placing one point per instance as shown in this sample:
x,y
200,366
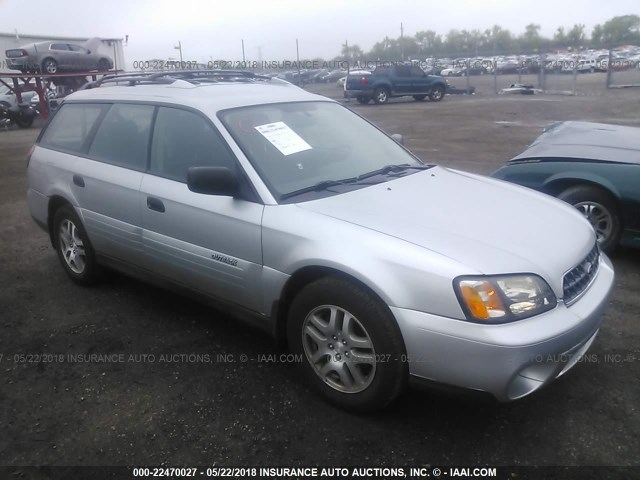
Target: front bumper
x,y
509,360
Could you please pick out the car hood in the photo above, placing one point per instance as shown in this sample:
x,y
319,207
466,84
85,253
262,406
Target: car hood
x,y
586,141
491,226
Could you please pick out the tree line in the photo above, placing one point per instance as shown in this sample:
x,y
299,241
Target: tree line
x,y
617,31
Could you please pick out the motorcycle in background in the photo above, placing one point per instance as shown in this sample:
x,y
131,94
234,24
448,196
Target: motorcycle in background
x,y
22,115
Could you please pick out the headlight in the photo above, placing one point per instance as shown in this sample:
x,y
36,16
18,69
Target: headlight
x,y
503,298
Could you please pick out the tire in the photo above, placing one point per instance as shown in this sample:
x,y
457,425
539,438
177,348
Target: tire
x,y
329,354
601,209
419,98
103,65
437,93
49,65
24,121
363,100
73,247
381,95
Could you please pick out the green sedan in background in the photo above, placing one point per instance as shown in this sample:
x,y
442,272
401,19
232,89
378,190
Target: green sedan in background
x,y
593,166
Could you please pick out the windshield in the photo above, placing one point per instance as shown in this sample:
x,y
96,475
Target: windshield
x,y
296,146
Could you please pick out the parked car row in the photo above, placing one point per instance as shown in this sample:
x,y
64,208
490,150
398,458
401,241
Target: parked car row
x,y
587,61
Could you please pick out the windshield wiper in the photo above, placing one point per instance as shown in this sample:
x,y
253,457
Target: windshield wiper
x,y
387,169
323,185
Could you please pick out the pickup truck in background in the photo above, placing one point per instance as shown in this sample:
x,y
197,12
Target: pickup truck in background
x,y
395,81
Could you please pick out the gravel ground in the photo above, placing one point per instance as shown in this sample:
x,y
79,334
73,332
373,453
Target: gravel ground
x,y
148,406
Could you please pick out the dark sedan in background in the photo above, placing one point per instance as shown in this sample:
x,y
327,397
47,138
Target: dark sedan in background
x,y
593,166
55,56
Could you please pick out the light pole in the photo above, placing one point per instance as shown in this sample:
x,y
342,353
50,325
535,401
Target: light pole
x,y
179,47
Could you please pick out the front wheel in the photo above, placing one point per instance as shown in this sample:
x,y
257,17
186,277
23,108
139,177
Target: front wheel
x,y
381,96
437,93
49,65
601,209
103,65
351,347
73,247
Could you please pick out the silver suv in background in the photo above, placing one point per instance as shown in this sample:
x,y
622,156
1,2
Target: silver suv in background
x,y
300,215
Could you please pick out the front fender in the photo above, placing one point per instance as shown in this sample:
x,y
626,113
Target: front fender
x,y
402,274
580,176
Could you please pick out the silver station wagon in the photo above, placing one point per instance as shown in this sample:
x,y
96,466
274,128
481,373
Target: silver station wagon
x,y
299,215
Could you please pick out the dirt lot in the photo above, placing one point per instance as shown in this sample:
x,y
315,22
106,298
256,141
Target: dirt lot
x,y
146,411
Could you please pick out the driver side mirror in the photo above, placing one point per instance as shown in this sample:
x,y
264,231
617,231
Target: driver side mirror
x,y
398,138
212,181
88,52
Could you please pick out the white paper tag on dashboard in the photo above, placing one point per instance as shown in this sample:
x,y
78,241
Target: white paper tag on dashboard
x,y
283,138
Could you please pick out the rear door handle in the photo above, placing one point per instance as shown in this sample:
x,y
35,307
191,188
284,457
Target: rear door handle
x,y
78,180
155,204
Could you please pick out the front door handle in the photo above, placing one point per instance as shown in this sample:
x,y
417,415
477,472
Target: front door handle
x,y
155,204
78,180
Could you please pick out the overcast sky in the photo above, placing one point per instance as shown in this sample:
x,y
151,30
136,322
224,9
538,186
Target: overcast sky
x,y
213,30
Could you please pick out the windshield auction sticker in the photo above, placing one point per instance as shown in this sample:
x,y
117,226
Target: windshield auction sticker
x,y
283,138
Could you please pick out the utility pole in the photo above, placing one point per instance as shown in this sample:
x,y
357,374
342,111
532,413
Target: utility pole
x,y
402,41
346,50
300,84
179,47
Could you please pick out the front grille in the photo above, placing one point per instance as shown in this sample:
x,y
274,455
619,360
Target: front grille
x,y
579,278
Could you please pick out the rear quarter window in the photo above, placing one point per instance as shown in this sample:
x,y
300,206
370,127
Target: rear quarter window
x,y
71,126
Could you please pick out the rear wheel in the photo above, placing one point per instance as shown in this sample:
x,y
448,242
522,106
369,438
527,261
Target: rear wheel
x,y
49,65
437,93
381,95
419,98
601,209
351,348
73,247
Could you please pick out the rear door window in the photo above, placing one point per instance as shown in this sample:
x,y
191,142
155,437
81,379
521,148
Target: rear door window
x,y
123,136
71,126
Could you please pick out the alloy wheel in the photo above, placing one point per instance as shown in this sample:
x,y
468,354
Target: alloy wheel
x,y
599,217
339,349
72,246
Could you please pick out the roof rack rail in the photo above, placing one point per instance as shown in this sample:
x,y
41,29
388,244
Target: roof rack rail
x,y
130,79
195,74
171,76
